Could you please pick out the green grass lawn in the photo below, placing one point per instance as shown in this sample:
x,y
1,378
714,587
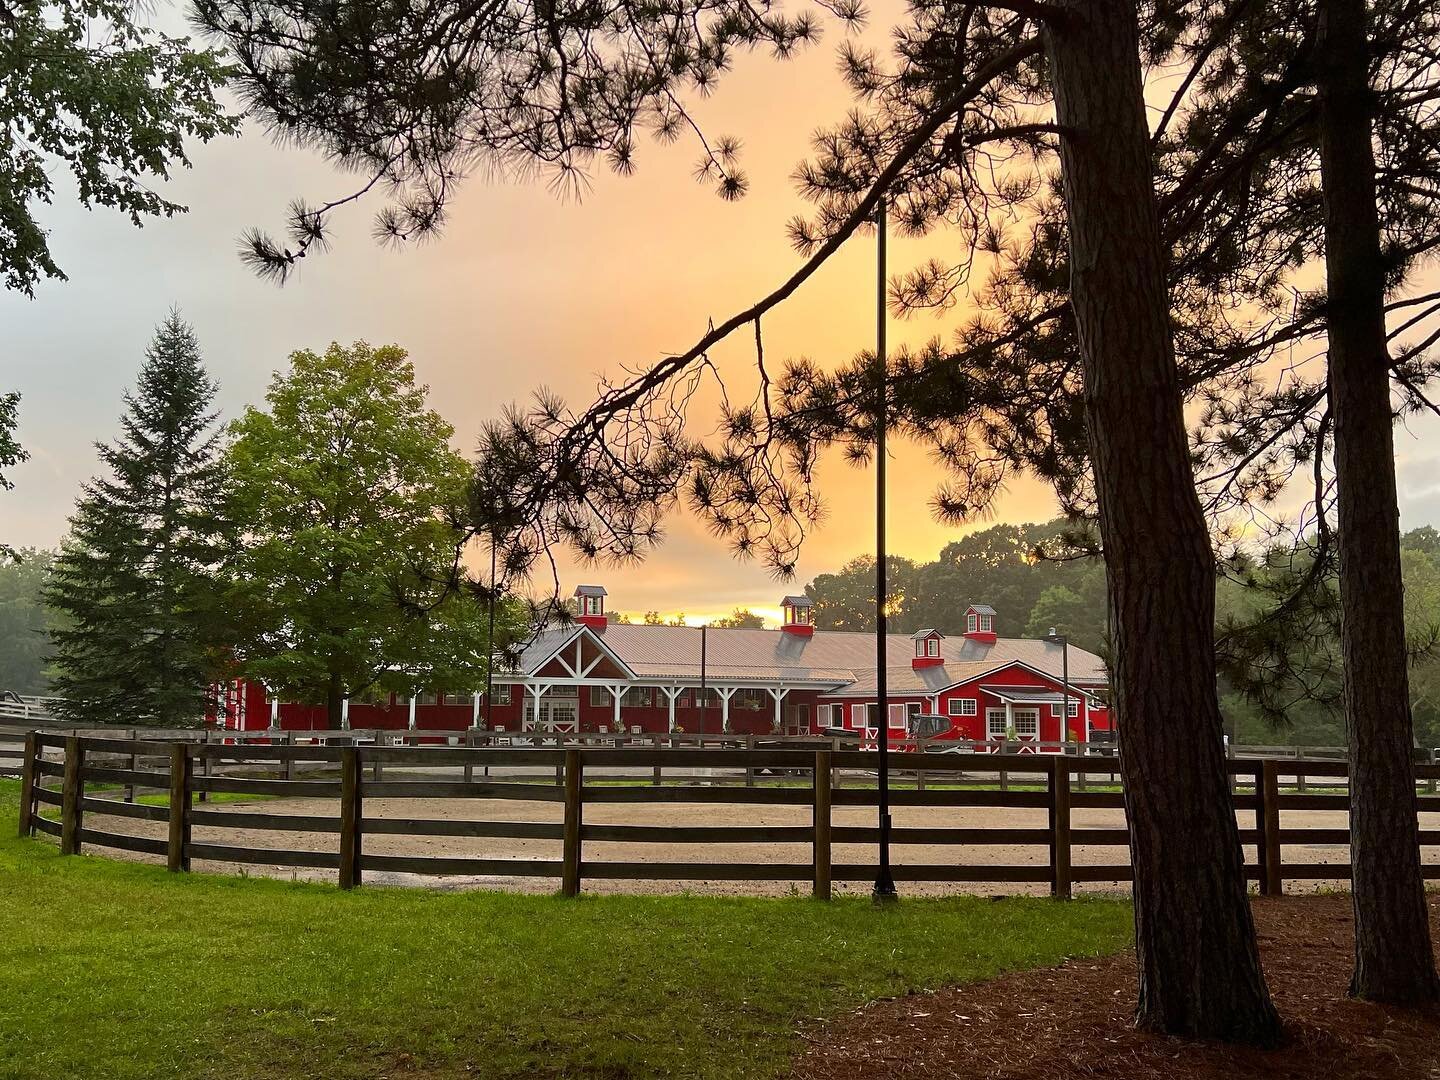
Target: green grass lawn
x,y
118,970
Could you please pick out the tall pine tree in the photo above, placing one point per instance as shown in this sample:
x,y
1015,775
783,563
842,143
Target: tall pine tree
x,y
134,575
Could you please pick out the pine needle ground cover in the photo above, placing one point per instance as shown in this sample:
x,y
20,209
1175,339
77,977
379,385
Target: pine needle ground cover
x,y
120,970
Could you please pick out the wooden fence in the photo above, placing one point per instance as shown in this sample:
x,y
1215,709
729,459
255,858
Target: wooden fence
x,y
187,772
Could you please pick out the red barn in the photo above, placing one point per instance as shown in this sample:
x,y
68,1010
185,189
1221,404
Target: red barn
x,y
598,676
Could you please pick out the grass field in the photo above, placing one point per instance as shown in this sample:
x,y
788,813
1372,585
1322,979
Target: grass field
x,y
119,970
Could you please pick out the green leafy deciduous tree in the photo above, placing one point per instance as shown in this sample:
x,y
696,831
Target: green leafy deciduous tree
x,y
11,452
84,83
25,622
135,578
346,582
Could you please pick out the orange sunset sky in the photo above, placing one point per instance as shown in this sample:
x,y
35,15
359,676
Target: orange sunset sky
x,y
523,289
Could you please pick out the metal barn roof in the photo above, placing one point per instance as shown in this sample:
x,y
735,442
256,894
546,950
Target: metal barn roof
x,y
838,661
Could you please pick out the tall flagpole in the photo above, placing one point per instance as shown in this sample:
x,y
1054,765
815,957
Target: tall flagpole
x,y
884,891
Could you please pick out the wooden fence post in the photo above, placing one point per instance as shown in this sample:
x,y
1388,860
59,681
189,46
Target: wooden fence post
x,y
207,768
469,766
289,760
350,816
820,820
1060,883
27,785
1270,806
1299,769
570,882
1260,846
1430,783
71,817
134,764
176,857
749,769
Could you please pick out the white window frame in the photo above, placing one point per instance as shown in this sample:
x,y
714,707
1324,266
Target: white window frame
x,y
592,605
1029,716
932,646
963,706
822,714
1072,709
600,697
991,718
859,721
987,624
897,717
502,693
972,622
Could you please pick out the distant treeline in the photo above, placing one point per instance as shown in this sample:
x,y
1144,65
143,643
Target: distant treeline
x,y
999,566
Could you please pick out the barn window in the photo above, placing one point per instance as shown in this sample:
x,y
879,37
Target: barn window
x,y
502,694
1072,709
962,706
1027,724
857,717
972,622
750,698
897,717
987,623
454,697
822,715
636,697
932,647
599,697
427,697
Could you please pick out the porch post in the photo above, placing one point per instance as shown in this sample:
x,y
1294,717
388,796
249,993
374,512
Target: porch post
x,y
1009,718
475,712
345,714
779,696
615,694
412,712
726,693
671,693
274,712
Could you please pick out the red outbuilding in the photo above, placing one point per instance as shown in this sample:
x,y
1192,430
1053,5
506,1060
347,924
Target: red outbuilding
x,y
598,676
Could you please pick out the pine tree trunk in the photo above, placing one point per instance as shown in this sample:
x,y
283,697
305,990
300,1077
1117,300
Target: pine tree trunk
x,y
1393,957
1199,966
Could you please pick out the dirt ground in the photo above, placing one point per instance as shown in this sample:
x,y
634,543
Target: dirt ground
x,y
686,814
1074,1021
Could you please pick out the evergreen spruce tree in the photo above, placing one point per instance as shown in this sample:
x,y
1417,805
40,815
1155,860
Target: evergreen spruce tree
x,y
134,576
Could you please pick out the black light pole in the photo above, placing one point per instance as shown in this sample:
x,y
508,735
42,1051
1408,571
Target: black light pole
x,y
702,703
490,663
884,891
1063,641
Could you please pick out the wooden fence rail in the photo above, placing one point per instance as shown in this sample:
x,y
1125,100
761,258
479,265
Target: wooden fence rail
x,y
803,778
